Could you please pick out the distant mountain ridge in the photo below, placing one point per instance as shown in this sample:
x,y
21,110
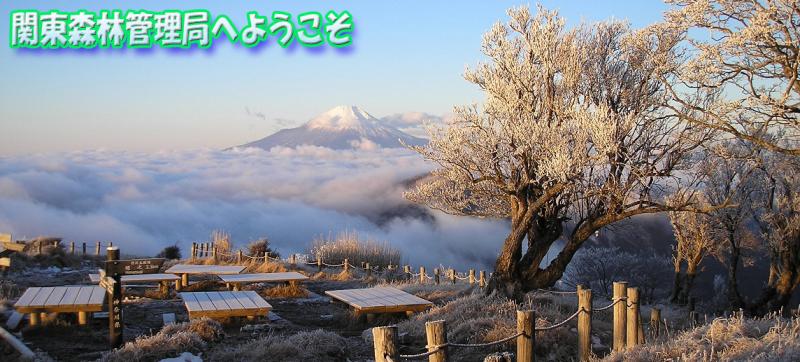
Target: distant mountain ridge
x,y
341,127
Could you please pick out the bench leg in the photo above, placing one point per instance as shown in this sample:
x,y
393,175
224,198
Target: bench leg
x,y
82,316
178,286
163,288
237,287
185,280
34,319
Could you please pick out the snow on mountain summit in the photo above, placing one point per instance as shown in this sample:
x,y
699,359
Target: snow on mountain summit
x,y
343,117
341,127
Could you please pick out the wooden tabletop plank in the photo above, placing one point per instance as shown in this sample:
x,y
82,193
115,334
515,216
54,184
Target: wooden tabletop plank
x,y
204,301
55,296
27,297
219,302
231,301
377,298
41,297
69,297
190,300
98,296
245,301
84,295
263,277
142,278
205,269
255,298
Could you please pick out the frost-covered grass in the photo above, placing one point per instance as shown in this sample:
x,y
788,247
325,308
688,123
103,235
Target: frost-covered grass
x,y
316,345
477,318
348,246
171,341
770,338
285,291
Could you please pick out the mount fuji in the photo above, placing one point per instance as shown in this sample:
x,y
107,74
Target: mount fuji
x,y
342,127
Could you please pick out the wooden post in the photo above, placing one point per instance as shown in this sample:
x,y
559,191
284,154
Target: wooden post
x,y
110,244
584,324
407,271
84,248
319,263
368,270
213,251
452,276
97,249
72,247
422,275
115,324
293,260
526,320
184,280
436,333
482,279
239,257
632,332
194,251
346,265
655,322
620,297
39,248
82,318
34,319
385,344
436,275
472,277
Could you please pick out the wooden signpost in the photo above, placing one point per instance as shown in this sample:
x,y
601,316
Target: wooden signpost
x,y
111,280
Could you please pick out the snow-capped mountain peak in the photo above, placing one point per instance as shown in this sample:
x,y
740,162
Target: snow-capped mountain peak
x,y
342,118
341,127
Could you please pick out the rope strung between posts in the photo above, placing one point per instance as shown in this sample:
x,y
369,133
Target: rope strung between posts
x,y
554,326
615,301
437,348
555,291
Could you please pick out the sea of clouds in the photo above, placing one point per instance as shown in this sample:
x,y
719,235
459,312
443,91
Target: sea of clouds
x,y
145,201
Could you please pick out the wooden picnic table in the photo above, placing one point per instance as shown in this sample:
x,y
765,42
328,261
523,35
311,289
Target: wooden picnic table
x,y
185,269
380,300
66,299
163,280
225,304
236,280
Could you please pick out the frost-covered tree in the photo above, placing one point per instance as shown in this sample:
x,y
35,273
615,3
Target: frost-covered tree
x,y
695,239
572,137
777,211
742,69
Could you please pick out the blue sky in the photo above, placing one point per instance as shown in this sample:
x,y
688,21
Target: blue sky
x,y
406,56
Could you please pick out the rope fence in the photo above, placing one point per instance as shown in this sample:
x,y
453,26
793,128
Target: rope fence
x,y
627,329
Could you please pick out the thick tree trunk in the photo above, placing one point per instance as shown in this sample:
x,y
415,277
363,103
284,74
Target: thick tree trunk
x,y
734,298
506,278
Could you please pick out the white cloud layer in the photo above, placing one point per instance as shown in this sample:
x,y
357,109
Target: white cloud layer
x,y
144,201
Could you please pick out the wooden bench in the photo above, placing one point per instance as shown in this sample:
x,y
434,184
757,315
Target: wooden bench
x,y
67,299
236,280
225,304
380,300
163,280
185,269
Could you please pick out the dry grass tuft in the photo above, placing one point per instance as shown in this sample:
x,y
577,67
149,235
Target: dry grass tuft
x,y
317,345
268,267
733,339
286,291
348,246
171,341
